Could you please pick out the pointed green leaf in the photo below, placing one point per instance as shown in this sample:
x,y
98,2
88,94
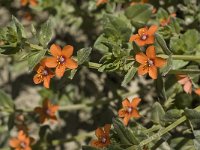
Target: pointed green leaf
x,y
157,113
129,76
83,55
6,103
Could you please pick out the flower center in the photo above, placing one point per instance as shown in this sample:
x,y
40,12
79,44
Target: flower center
x,y
103,140
150,62
61,60
44,72
129,109
23,145
144,37
48,112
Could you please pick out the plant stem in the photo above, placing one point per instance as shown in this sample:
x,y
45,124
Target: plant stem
x,y
158,135
182,57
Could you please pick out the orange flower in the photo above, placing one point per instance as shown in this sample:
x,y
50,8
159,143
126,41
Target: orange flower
x,y
149,62
44,74
145,36
186,82
61,59
47,111
22,142
100,2
103,137
26,2
197,91
129,110
141,2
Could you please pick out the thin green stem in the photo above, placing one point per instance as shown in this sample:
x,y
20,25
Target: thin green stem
x,y
158,135
182,57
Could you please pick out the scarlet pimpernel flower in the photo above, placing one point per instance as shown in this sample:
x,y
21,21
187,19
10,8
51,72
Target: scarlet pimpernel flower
x,y
44,74
47,111
129,110
166,21
21,142
31,2
186,82
103,137
140,2
145,36
100,2
61,59
149,62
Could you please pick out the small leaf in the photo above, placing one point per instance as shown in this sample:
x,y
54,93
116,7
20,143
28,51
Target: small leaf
x,y
83,55
34,58
168,66
171,115
19,28
139,12
160,87
136,49
193,116
161,42
157,113
197,139
45,33
6,103
177,64
129,76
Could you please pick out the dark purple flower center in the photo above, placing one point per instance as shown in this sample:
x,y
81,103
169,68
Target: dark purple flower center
x,y
61,60
103,140
144,37
129,109
150,62
44,72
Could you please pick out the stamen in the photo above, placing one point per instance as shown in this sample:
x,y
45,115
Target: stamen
x,y
23,145
144,37
150,62
129,109
61,60
103,140
45,72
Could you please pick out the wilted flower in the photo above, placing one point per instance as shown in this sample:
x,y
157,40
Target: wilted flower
x,y
47,111
186,82
103,137
61,59
149,62
129,110
145,36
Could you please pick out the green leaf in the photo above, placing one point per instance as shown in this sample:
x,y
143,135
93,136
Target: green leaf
x,y
45,33
161,42
140,13
177,64
197,139
171,115
136,48
19,28
157,113
160,87
194,117
34,58
129,76
99,44
168,66
6,103
83,55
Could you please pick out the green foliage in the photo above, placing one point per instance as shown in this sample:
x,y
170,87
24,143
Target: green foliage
x,y
157,113
6,103
83,55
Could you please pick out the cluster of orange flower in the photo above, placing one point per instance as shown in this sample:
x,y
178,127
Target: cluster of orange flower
x,y
23,141
61,61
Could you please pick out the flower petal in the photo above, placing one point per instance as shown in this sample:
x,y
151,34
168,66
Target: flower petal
x,y
14,142
142,31
121,113
141,58
152,29
99,132
24,2
71,64
107,129
142,69
126,120
67,51
55,50
140,42
135,113
33,2
150,39
94,143
150,52
183,80
37,79
51,62
159,62
60,70
134,37
153,72
135,102
188,87
126,103
46,81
